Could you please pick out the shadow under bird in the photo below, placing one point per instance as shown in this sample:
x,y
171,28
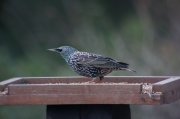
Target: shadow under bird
x,y
90,64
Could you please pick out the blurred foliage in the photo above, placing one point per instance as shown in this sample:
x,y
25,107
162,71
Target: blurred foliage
x,y
145,34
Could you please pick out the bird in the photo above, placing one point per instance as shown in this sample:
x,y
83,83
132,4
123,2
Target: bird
x,y
90,64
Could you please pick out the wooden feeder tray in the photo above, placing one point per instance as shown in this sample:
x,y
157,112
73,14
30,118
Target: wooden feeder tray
x,y
145,90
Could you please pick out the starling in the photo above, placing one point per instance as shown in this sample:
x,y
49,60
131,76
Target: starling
x,y
90,64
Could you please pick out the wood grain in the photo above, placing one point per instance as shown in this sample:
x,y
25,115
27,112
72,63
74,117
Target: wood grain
x,y
69,90
171,96
167,85
74,89
115,79
48,99
5,83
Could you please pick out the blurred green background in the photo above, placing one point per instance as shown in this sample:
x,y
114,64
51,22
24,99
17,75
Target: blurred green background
x,y
143,33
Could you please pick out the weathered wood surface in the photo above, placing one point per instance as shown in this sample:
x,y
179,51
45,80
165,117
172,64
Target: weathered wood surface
x,y
74,89
54,80
171,96
115,79
48,99
5,83
70,90
167,85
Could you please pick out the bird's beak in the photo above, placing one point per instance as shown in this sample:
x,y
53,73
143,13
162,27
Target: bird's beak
x,y
53,49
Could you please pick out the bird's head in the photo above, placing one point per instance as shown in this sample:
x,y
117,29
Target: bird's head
x,y
64,51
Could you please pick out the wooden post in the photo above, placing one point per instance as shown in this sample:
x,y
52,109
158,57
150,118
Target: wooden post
x,y
97,111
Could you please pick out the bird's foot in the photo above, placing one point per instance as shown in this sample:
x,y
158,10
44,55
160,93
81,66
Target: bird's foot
x,y
94,81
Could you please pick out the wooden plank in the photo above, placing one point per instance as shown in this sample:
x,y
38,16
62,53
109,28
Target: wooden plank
x,y
166,85
48,99
39,91
46,80
115,79
5,83
74,89
171,96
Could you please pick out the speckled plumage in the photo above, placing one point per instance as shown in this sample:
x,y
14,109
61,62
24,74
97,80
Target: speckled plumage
x,y
90,64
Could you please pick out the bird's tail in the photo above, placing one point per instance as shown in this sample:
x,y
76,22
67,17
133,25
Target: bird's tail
x,y
125,66
128,69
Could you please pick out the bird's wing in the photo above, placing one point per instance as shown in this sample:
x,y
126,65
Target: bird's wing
x,y
95,60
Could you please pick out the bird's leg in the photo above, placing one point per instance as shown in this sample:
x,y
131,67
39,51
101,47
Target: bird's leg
x,y
101,78
94,80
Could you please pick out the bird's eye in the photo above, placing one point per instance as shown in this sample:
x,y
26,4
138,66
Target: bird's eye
x,y
59,50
